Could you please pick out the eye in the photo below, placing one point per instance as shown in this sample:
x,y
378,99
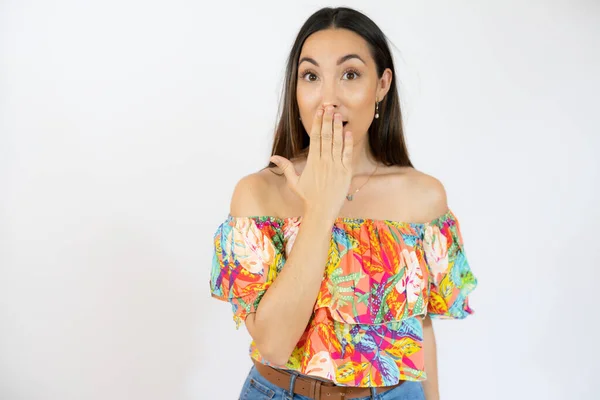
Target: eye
x,y
308,73
352,72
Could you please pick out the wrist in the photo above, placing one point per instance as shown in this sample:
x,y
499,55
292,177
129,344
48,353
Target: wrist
x,y
318,217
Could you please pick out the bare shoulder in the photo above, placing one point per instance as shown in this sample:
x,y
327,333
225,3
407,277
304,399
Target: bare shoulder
x,y
427,194
249,196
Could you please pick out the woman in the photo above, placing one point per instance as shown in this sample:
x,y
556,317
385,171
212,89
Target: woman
x,y
337,254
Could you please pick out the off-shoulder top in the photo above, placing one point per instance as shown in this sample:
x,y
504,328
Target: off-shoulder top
x,y
381,278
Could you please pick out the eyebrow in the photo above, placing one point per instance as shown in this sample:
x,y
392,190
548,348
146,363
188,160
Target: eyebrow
x,y
339,61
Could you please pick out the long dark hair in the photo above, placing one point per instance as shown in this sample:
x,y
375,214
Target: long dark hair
x,y
386,134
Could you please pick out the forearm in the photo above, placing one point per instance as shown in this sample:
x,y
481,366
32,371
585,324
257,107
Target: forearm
x,y
285,309
430,386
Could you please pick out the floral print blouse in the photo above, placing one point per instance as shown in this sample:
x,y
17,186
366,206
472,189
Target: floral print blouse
x,y
379,277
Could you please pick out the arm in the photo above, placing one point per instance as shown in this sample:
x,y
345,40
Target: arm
x,y
430,386
286,307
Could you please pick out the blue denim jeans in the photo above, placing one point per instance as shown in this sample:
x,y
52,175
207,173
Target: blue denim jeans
x,y
258,388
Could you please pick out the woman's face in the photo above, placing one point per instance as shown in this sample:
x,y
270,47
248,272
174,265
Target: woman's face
x,y
336,68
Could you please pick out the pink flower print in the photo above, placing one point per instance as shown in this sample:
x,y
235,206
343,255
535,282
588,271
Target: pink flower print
x,y
254,251
321,365
414,276
435,246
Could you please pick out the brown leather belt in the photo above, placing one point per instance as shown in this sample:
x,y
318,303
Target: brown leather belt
x,y
315,388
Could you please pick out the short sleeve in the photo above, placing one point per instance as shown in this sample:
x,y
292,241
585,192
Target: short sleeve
x,y
450,277
247,257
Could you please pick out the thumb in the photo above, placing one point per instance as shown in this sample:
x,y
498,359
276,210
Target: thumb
x,y
286,166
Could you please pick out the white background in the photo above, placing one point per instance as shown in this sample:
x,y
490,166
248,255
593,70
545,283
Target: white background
x,y
124,126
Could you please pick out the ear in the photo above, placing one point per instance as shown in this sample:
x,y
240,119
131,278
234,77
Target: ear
x,y
384,83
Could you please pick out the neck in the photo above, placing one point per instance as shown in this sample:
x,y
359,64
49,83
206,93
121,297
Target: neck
x,y
363,162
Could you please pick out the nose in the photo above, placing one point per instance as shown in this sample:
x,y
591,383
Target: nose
x,y
329,103
329,95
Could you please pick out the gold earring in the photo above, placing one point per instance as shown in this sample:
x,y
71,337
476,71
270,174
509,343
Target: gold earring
x,y
376,108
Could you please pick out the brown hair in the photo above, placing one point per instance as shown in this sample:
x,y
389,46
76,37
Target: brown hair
x,y
386,134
